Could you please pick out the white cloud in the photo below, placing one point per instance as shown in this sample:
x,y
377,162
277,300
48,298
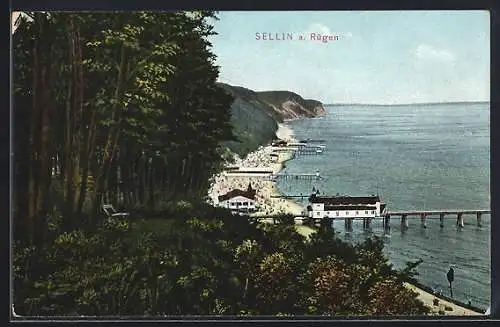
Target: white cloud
x,y
322,29
425,51
318,28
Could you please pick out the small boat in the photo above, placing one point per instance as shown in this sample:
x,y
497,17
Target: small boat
x,y
319,151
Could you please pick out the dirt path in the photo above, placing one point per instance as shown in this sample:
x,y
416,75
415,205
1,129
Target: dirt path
x,y
444,307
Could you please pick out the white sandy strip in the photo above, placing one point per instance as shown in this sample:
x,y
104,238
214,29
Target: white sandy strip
x,y
305,231
428,299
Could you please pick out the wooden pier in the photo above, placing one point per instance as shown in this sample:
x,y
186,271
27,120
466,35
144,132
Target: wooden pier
x,y
315,176
424,215
310,151
302,150
312,141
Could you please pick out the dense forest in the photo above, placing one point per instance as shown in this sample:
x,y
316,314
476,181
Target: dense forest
x,y
124,108
118,108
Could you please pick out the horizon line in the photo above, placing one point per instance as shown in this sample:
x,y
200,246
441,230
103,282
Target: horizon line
x,y
402,104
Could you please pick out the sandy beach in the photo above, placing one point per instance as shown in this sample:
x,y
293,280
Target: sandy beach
x,y
443,307
265,189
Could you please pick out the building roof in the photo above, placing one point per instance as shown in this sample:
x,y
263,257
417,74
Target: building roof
x,y
349,207
345,200
249,193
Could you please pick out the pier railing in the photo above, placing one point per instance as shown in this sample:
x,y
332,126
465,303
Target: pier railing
x,y
424,215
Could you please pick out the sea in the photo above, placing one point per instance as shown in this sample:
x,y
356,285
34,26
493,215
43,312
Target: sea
x,y
419,156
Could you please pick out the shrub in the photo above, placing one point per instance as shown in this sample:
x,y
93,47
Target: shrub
x,y
195,263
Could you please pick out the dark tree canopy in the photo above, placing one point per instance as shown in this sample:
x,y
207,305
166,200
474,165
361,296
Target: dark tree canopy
x,y
120,108
124,108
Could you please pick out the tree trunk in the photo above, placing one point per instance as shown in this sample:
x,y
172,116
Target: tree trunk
x,y
151,186
42,205
114,133
32,149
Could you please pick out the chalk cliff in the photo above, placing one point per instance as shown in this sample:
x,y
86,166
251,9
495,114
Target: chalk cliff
x,y
255,115
290,105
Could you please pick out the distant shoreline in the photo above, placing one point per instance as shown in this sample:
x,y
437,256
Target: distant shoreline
x,y
404,104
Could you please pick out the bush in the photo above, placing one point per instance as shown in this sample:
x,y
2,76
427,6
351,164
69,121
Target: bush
x,y
203,260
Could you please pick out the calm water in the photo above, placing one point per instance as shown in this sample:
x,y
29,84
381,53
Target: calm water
x,y
416,157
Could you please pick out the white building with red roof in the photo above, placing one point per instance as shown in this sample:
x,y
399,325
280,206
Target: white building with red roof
x,y
239,200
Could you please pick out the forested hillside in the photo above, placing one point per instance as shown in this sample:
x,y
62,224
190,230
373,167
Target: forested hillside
x,y
255,122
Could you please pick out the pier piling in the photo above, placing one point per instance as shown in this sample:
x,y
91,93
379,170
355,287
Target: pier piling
x,y
387,222
368,222
404,222
441,220
348,224
423,220
460,220
478,219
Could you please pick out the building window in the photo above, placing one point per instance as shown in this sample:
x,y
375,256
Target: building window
x,y
337,213
317,213
366,212
245,203
239,203
347,213
357,212
373,211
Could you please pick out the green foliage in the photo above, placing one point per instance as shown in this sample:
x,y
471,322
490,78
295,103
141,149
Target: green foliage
x,y
114,107
389,297
125,109
202,261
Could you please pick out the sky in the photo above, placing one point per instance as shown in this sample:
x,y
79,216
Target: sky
x,y
378,57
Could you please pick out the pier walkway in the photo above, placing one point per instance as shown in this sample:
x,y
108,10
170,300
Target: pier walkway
x,y
314,176
425,214
386,217
302,150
